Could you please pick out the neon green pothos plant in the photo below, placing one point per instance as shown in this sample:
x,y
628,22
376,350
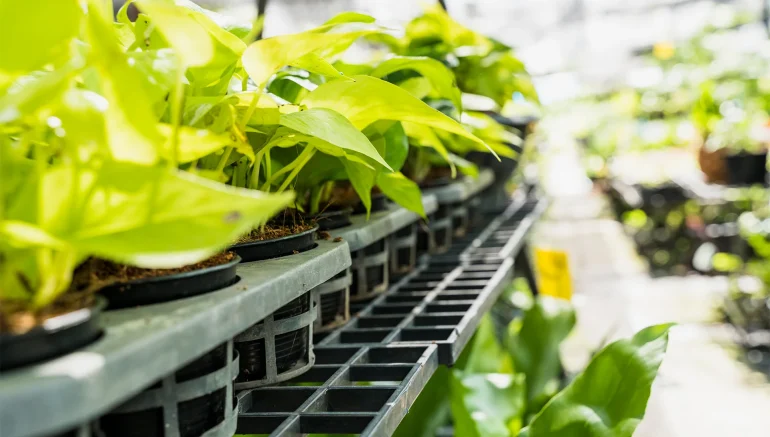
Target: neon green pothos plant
x,y
87,166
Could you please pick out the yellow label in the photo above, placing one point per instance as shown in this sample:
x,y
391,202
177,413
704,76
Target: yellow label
x,y
553,273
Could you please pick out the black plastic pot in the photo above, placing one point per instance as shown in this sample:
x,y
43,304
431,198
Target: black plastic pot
x,y
333,218
276,247
201,408
166,288
747,169
289,331
379,203
55,337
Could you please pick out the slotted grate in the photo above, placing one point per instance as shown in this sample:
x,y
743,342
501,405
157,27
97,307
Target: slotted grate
x,y
349,390
443,300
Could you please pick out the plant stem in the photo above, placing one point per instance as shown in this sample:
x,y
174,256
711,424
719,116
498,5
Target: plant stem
x,y
176,114
268,168
315,198
223,159
298,161
297,169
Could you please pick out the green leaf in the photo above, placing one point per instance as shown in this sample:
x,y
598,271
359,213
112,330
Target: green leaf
x,y
152,217
333,128
368,99
157,70
265,57
442,78
34,32
316,64
390,140
610,397
362,178
350,17
535,347
487,405
197,143
33,92
232,24
178,25
401,190
425,137
130,123
486,354
23,235
466,167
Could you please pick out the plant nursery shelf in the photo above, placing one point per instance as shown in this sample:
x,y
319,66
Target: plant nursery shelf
x,y
443,300
141,345
363,390
362,232
368,373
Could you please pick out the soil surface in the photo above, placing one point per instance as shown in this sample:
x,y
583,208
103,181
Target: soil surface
x,y
91,276
17,318
272,231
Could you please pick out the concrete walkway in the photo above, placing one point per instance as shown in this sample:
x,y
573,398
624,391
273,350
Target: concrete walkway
x,y
702,389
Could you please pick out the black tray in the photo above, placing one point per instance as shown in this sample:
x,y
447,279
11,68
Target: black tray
x,y
55,337
277,247
165,288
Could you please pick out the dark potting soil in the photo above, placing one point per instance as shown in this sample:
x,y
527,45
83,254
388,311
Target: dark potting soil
x,y
270,232
88,278
106,271
17,318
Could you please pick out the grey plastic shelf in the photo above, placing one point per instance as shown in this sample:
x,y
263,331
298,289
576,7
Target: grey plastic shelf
x,y
364,390
443,300
463,188
362,233
141,345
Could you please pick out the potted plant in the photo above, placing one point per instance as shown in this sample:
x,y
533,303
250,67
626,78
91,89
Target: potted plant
x,y
91,196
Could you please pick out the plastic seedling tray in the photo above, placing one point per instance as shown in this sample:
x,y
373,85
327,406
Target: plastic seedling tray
x,y
135,351
364,390
279,347
443,300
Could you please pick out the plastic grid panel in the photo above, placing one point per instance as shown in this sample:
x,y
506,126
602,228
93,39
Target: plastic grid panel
x,y
443,300
362,390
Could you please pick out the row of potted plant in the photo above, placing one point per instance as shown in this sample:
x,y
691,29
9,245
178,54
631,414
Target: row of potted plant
x,y
134,153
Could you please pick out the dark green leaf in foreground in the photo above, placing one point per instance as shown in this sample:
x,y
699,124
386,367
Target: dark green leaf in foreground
x,y
609,398
487,405
534,347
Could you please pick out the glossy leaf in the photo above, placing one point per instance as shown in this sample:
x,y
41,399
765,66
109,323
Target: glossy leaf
x,y
487,354
610,397
401,190
130,123
316,64
333,128
150,216
363,179
487,405
197,143
390,140
34,32
33,92
265,57
190,40
424,136
368,99
350,17
442,78
534,346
